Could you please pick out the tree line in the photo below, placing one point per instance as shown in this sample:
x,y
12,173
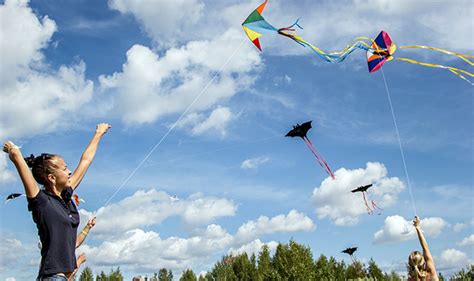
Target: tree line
x,y
291,261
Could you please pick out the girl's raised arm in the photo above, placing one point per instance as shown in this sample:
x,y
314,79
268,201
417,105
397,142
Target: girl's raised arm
x,y
29,183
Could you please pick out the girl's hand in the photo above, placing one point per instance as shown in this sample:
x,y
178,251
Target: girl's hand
x,y
91,223
102,128
11,148
416,221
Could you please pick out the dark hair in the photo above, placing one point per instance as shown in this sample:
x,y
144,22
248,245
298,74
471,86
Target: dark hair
x,y
41,166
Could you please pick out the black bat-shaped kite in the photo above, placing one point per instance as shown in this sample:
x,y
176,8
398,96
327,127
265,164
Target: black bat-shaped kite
x,y
350,251
13,196
302,131
363,190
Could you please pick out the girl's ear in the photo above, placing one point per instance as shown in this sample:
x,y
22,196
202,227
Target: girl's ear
x,y
51,179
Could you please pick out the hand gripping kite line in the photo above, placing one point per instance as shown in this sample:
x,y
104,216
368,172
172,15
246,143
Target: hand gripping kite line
x,y
378,51
301,131
363,190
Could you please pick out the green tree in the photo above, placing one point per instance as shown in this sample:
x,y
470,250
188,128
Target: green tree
x,y
86,275
188,275
355,270
373,271
102,277
322,269
393,276
293,261
115,275
464,274
165,275
340,269
243,267
265,270
223,270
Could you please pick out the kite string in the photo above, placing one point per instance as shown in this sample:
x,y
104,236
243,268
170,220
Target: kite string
x,y
174,125
399,141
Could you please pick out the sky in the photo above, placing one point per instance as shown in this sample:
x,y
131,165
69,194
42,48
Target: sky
x,y
199,114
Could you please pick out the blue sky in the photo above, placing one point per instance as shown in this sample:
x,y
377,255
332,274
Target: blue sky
x,y
69,65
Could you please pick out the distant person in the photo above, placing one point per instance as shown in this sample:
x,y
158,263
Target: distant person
x,y
421,266
54,213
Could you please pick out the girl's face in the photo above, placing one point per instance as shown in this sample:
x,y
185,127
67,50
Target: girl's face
x,y
61,172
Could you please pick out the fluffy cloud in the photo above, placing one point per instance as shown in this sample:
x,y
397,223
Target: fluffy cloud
x,y
37,97
217,121
458,227
164,21
253,247
254,163
146,250
396,228
292,222
468,241
334,200
168,22
11,250
5,174
152,207
451,259
199,74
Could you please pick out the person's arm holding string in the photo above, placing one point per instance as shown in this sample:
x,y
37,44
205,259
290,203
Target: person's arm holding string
x,y
29,183
80,239
85,231
88,155
430,266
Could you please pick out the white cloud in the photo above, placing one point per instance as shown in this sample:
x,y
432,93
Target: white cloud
x,y
292,222
333,198
253,247
5,174
468,241
11,250
458,227
145,250
217,121
10,279
452,259
150,86
254,163
152,207
396,229
164,21
37,97
23,37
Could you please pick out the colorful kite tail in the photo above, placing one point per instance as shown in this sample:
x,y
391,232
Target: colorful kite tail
x,y
455,71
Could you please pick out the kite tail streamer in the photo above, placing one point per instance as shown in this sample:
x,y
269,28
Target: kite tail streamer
x,y
315,154
464,57
455,71
369,210
374,206
320,158
333,57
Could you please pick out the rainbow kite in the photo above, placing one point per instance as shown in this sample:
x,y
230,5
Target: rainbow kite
x,y
378,51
